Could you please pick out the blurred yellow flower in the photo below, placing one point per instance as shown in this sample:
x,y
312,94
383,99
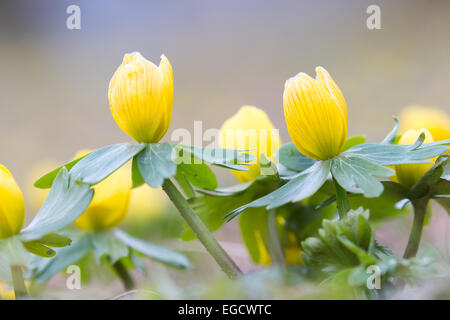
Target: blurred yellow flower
x,y
409,174
435,120
250,128
146,204
141,97
316,114
12,205
110,202
6,292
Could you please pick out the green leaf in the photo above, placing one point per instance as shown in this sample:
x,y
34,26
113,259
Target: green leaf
x,y
446,173
37,248
291,158
155,164
390,138
383,207
253,226
267,167
199,175
46,181
136,177
105,243
302,186
357,175
353,141
101,163
65,202
213,205
153,251
227,158
428,180
54,240
392,154
44,269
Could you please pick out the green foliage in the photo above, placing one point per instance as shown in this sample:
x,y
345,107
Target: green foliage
x,y
213,205
290,158
155,163
428,183
353,141
302,186
227,158
101,163
357,175
64,204
344,249
199,175
107,245
46,181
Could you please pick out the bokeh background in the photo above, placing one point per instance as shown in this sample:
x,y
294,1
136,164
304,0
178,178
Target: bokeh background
x,y
53,81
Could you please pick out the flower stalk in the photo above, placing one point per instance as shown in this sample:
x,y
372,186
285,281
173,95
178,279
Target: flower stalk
x,y
342,203
201,231
124,275
20,290
275,248
420,209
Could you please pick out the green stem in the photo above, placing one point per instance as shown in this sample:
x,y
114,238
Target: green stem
x,y
342,203
275,248
420,208
20,290
201,231
124,275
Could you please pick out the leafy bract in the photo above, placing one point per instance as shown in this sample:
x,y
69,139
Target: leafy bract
x,y
156,163
101,163
300,187
66,201
357,175
153,251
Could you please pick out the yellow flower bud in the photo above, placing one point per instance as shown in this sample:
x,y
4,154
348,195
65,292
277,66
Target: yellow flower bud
x,y
409,174
250,128
316,114
141,97
110,202
12,205
435,120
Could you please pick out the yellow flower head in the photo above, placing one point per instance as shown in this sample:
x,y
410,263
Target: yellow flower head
x,y
316,114
110,202
250,128
435,120
12,205
409,174
141,97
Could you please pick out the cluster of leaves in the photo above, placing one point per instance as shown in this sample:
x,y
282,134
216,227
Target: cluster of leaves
x,y
346,251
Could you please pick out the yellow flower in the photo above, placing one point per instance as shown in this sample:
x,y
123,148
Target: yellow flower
x,y
141,96
409,174
316,114
6,292
250,128
435,120
110,202
12,205
146,204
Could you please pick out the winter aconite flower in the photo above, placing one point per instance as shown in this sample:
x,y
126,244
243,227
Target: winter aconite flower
x,y
409,174
110,202
141,96
435,120
316,114
12,205
250,128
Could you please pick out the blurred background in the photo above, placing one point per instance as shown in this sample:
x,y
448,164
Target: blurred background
x,y
54,81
